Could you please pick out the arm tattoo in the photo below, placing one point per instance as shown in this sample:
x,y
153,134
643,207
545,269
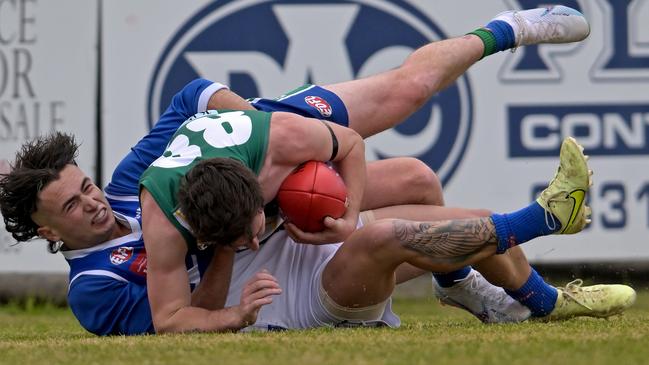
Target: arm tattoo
x,y
447,241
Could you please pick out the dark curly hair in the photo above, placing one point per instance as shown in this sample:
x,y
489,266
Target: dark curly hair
x,y
38,163
219,198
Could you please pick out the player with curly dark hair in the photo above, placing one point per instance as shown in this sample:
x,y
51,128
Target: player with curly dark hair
x,y
218,183
38,163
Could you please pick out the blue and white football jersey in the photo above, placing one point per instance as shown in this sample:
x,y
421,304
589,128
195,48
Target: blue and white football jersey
x,y
107,290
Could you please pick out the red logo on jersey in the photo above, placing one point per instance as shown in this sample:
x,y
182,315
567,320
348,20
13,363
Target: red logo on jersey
x,y
121,255
138,266
319,103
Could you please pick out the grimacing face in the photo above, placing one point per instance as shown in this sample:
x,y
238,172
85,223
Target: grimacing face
x,y
74,210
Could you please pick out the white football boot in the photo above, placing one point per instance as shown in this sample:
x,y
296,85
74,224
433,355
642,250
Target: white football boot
x,y
489,303
554,24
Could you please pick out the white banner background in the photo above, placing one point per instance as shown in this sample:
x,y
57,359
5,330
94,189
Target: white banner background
x,y
51,46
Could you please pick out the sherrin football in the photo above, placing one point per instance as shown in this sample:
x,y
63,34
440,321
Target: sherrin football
x,y
313,191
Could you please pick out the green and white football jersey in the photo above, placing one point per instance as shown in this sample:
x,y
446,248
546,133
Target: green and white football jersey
x,y
241,135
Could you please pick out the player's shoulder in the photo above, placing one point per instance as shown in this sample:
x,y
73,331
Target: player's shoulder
x,y
128,205
94,286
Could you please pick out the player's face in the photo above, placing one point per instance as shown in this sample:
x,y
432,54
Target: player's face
x,y
74,210
251,238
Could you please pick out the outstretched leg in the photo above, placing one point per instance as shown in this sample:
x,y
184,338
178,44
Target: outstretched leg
x,y
382,101
543,300
366,263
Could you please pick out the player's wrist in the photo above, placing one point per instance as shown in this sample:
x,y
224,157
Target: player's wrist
x,y
242,318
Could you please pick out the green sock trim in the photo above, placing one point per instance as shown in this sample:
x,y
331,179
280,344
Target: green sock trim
x,y
488,39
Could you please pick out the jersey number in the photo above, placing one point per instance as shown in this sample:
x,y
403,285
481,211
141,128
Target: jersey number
x,y
219,131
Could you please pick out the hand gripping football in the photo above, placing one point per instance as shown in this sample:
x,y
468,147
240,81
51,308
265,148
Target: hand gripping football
x,y
311,192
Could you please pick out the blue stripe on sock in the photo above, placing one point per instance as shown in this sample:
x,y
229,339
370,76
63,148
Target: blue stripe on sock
x,y
521,226
504,33
448,279
504,233
536,295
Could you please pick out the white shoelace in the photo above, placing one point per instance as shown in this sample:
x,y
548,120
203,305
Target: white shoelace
x,y
521,25
485,288
574,287
550,199
543,27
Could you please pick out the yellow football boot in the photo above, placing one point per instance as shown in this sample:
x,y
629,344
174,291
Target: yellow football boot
x,y
599,301
564,198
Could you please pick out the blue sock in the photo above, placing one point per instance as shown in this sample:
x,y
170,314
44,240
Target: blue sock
x,y
448,279
521,226
536,295
505,38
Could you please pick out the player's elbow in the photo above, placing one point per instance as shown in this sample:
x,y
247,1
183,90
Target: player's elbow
x,y
165,321
354,140
165,325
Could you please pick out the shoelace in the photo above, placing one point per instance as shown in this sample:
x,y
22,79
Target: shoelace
x,y
572,288
474,284
552,198
521,25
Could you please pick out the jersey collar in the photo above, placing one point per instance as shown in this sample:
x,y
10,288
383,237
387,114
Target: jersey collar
x,y
136,234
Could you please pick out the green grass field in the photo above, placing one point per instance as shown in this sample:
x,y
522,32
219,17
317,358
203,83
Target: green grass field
x,y
430,334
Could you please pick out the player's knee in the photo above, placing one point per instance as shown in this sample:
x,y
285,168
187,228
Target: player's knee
x,y
407,86
377,239
423,182
416,87
418,91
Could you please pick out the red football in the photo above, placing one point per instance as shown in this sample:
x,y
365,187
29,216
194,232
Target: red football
x,y
311,192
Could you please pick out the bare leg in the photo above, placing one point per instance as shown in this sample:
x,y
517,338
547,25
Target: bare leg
x,y
406,272
362,272
509,270
381,101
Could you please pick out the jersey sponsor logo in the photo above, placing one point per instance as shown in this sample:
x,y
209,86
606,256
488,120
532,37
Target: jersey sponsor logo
x,y
138,266
181,219
120,255
320,104
264,48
